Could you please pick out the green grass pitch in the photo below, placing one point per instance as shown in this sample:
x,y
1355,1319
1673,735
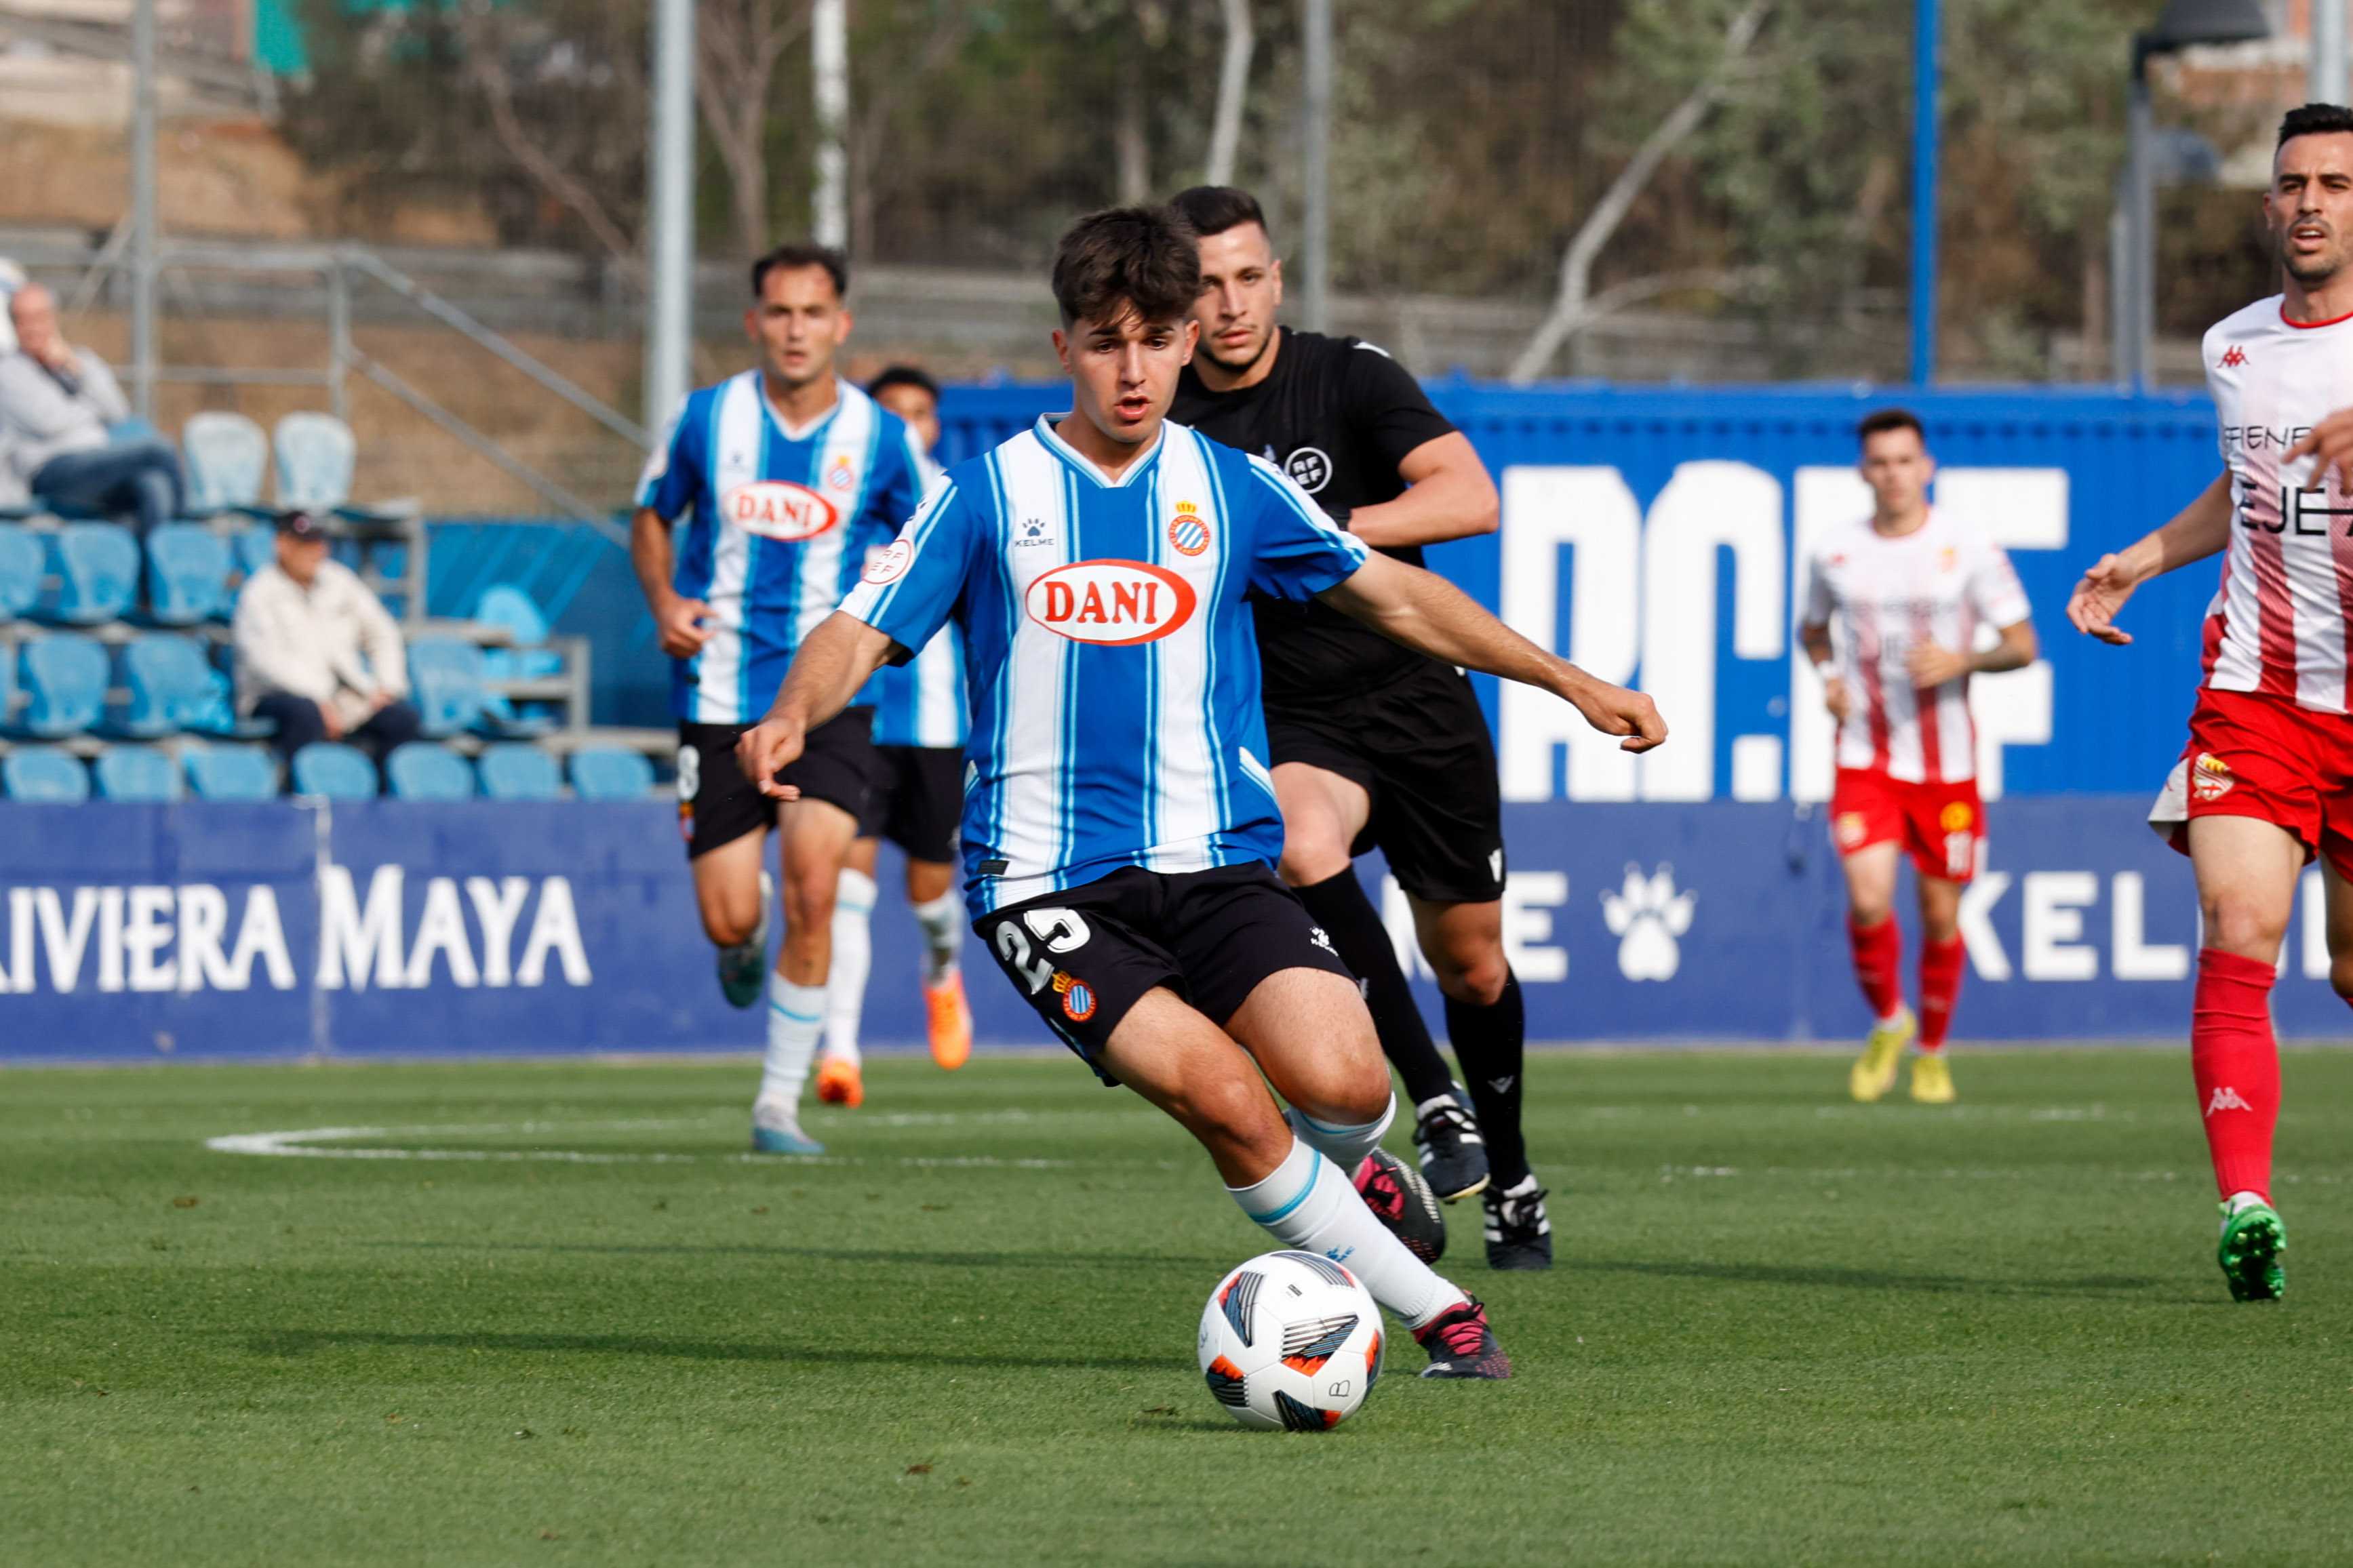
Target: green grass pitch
x,y
1784,1329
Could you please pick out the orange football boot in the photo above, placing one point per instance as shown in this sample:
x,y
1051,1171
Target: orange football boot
x,y
951,1021
839,1083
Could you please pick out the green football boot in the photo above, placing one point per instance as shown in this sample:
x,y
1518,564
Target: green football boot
x,y
2253,1237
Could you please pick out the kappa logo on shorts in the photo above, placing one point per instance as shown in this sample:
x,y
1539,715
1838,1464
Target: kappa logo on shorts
x,y
2209,777
888,563
1851,828
774,509
1186,531
1113,603
1957,816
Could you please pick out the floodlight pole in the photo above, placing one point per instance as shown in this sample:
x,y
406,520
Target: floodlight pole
x,y
142,209
2136,305
2327,81
829,53
1923,192
669,217
1315,161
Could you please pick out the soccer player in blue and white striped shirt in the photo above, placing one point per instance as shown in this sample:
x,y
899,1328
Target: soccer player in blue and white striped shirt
x,y
1121,832
786,475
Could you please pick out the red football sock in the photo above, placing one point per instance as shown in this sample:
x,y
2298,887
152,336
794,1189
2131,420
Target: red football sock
x,y
2236,1064
1878,962
1941,964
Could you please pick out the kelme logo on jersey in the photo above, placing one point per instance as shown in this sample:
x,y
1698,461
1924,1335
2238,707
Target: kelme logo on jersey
x,y
774,509
1114,603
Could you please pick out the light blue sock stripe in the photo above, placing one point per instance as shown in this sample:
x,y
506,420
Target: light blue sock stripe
x,y
1313,1125
1297,1198
783,1011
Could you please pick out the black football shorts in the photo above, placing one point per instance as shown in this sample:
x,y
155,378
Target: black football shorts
x,y
917,801
1418,745
1085,956
717,805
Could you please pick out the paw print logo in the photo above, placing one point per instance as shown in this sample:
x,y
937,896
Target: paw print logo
x,y
1646,916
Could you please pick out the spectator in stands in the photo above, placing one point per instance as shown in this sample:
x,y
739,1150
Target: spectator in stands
x,y
317,653
70,435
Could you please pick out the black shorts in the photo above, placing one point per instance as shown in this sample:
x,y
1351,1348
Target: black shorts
x,y
717,805
917,801
1418,745
1086,955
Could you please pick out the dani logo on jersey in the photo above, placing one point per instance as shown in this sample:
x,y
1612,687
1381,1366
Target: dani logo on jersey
x,y
775,508
1111,603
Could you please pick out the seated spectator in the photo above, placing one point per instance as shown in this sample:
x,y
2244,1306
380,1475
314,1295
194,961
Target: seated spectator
x,y
65,419
317,653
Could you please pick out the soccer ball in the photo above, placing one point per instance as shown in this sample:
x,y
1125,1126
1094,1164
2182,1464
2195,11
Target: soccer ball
x,y
1290,1340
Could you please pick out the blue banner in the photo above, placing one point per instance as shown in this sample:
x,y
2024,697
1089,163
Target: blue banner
x,y
394,929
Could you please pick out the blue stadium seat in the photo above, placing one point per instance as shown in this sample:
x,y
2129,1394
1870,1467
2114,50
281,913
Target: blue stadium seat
x,y
230,773
187,573
98,563
422,771
257,547
22,566
507,606
173,687
45,773
335,770
515,771
137,774
65,678
609,773
224,456
315,458
445,679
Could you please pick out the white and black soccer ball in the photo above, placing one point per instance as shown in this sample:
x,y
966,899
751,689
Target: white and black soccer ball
x,y
1290,1340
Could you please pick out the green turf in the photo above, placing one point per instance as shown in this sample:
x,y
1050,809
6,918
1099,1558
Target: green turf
x,y
1785,1328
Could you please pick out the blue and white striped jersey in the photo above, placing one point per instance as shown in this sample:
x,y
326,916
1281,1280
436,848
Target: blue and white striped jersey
x,y
1111,657
781,523
923,703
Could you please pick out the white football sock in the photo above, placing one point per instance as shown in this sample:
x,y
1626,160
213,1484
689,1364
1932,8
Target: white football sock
x,y
943,924
1309,1203
853,955
1344,1146
796,1017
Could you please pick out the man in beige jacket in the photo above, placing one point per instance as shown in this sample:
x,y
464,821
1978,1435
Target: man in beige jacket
x,y
317,653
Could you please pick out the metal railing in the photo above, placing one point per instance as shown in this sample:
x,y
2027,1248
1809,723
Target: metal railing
x,y
341,268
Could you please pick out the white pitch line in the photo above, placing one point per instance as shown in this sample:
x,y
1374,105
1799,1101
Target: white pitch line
x,y
304,1144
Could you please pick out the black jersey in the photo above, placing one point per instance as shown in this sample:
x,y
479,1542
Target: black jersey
x,y
1337,415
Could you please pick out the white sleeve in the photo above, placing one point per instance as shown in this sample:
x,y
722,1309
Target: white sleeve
x,y
1994,589
1814,602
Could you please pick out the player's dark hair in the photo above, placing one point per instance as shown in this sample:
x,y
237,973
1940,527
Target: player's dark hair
x,y
1213,209
2314,120
1883,420
904,376
1139,258
794,257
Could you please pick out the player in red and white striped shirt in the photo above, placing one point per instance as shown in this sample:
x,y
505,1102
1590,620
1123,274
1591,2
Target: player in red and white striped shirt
x,y
2266,784
1909,588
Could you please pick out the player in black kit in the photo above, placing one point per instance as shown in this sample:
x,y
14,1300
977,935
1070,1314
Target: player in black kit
x,y
1372,743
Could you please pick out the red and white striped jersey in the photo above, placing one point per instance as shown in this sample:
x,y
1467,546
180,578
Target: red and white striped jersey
x,y
1886,596
2278,622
